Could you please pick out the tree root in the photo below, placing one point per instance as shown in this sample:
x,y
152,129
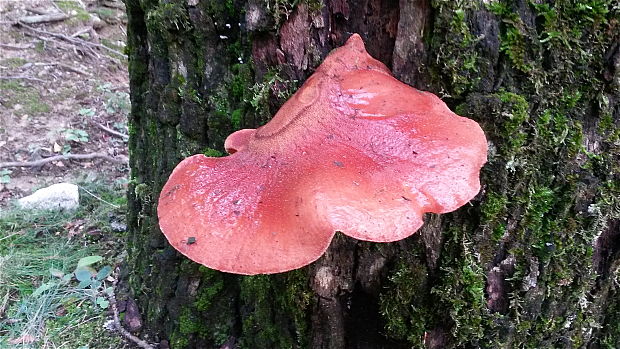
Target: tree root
x,y
117,321
111,131
44,18
76,42
63,157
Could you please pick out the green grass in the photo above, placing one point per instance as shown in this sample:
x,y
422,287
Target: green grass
x,y
70,5
41,299
15,62
106,14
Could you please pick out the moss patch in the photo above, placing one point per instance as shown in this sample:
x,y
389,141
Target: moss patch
x,y
74,7
408,284
275,310
15,62
169,18
26,96
454,44
542,206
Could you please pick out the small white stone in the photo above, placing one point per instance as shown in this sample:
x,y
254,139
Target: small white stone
x,y
59,196
97,22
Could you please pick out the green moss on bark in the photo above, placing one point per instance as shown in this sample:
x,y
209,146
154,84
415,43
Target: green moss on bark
x,y
408,284
537,221
275,310
453,42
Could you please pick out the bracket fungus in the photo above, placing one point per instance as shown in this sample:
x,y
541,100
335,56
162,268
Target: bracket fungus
x,y
353,150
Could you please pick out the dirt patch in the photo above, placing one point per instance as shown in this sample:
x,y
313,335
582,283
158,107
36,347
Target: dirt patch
x,y
62,84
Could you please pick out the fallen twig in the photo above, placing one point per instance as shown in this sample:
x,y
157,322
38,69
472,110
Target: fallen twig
x,y
70,68
21,77
9,236
16,46
41,162
74,41
114,4
111,131
57,7
93,36
64,66
46,18
60,65
37,11
81,31
122,28
98,198
117,321
85,50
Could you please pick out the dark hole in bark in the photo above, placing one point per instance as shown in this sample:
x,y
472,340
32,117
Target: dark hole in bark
x,y
363,323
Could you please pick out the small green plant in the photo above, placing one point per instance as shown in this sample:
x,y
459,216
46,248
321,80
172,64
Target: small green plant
x,y
5,176
116,102
87,112
76,135
273,84
121,126
90,279
212,152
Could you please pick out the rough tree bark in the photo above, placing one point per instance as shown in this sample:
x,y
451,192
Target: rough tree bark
x,y
532,262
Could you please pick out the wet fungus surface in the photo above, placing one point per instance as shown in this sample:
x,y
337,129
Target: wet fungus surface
x,y
354,150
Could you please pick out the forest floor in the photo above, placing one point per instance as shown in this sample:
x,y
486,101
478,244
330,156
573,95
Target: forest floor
x,y
63,92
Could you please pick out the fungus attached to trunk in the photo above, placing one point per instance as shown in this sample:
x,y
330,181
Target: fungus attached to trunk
x,y
354,150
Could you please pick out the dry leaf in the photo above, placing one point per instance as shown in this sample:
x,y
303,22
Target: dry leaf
x,y
57,148
61,311
74,228
24,339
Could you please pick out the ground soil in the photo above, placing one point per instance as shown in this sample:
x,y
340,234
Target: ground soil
x,y
57,84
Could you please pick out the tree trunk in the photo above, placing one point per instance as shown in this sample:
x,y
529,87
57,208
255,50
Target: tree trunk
x,y
532,262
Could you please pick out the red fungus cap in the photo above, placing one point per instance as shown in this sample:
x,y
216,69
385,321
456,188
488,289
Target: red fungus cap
x,y
354,150
238,140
